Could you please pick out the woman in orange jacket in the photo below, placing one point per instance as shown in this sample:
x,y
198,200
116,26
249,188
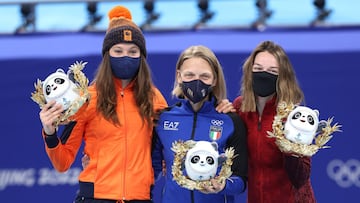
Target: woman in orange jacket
x,y
116,124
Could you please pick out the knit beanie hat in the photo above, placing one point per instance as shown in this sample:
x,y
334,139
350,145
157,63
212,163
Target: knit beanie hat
x,y
122,29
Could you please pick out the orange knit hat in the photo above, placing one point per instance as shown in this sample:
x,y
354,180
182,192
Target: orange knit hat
x,y
122,29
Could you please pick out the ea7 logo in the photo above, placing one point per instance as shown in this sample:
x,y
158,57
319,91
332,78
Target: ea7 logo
x,y
171,125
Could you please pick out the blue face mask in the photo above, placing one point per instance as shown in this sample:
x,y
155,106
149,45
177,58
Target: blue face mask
x,y
125,67
195,90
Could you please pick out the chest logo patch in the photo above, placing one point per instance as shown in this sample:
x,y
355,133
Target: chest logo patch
x,y
171,125
216,129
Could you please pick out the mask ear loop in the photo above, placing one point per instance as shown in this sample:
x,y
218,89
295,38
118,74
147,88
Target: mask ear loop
x,y
211,94
214,83
181,96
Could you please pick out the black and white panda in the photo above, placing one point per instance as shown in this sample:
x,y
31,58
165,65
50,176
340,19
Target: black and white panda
x,y
302,125
201,161
57,86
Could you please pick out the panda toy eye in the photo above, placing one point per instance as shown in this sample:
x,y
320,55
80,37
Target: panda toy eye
x,y
48,89
310,120
59,80
296,115
210,160
195,159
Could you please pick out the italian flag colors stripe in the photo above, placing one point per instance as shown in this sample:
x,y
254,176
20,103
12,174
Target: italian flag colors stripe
x,y
214,135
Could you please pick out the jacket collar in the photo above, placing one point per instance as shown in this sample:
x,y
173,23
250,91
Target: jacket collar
x,y
118,84
208,106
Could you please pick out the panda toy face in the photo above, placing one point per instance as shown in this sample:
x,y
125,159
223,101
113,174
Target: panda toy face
x,y
201,161
301,125
60,88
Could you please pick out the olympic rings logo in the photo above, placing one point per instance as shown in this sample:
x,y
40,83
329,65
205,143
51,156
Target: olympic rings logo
x,y
217,122
345,174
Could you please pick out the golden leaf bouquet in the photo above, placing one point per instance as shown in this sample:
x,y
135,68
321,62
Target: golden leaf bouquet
x,y
181,148
78,87
295,148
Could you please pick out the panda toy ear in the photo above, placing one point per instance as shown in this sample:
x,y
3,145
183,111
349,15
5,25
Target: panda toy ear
x,y
71,76
321,125
182,164
285,120
317,112
221,159
215,145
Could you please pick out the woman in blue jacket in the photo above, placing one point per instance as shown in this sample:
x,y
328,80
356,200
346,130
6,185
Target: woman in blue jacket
x,y
199,85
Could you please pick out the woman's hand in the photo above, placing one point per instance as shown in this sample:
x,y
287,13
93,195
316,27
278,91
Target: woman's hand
x,y
48,115
85,160
225,106
214,187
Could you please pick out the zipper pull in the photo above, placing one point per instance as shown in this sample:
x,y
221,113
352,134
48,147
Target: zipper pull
x,y
259,124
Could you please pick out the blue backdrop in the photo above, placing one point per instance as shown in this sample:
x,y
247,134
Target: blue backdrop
x,y
325,60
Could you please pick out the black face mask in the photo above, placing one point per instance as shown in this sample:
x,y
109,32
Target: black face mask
x,y
264,83
195,90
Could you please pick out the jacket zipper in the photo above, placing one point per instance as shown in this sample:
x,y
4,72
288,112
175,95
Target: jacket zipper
x,y
259,124
194,126
125,144
192,137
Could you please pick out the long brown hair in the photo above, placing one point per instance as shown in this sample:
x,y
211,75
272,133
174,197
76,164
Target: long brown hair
x,y
287,87
106,91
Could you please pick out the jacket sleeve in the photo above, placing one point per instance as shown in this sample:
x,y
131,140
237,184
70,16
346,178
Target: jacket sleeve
x,y
157,156
298,169
159,100
62,151
238,182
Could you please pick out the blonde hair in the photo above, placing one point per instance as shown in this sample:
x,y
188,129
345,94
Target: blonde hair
x,y
200,51
287,87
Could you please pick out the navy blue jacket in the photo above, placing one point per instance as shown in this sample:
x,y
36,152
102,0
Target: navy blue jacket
x,y
180,122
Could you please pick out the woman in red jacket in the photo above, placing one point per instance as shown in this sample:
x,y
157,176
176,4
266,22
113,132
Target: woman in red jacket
x,y
268,77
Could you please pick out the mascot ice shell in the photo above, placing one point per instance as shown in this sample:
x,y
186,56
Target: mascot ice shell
x,y
301,125
201,161
57,86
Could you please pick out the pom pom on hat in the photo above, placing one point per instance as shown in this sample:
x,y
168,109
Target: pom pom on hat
x,y
122,29
119,11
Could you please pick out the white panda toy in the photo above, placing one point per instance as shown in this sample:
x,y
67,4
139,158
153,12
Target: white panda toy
x,y
201,161
302,125
58,86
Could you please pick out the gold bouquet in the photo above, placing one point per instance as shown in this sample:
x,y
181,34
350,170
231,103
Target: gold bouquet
x,y
299,149
79,88
181,148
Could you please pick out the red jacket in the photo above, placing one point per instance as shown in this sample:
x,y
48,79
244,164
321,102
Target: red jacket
x,y
273,177
120,165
